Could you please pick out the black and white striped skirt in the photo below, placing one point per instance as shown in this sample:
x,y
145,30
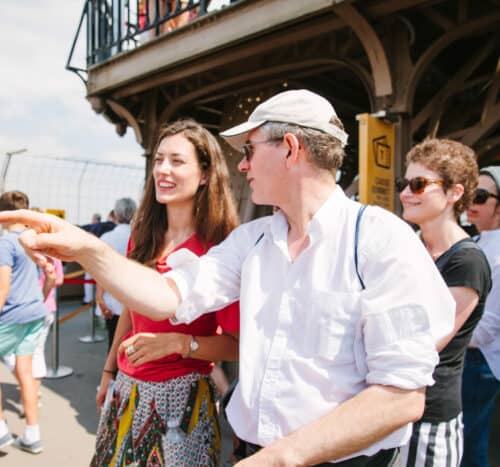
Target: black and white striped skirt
x,y
435,444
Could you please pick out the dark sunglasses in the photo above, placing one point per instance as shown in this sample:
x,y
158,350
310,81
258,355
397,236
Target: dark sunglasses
x,y
417,185
482,195
247,148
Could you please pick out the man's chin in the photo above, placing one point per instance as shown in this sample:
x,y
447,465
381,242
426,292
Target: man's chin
x,y
258,200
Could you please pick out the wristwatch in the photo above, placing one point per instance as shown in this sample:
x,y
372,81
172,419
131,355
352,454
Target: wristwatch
x,y
193,347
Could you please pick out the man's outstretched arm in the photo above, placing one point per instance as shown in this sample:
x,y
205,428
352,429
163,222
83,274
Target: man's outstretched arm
x,y
137,287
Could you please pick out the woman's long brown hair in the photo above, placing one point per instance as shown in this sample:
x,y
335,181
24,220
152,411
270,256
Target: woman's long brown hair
x,y
214,207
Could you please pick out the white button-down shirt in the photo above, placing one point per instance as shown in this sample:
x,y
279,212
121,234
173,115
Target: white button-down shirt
x,y
486,336
310,337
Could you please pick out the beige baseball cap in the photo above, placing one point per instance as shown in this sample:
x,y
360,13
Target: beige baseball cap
x,y
298,107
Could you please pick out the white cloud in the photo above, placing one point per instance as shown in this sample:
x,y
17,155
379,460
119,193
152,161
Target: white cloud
x,y
42,105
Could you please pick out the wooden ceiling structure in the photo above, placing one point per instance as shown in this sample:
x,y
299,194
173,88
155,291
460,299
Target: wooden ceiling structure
x,y
430,66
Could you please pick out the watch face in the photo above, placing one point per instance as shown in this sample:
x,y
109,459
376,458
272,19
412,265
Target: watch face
x,y
194,345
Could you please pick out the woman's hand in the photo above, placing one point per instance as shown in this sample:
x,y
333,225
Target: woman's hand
x,y
50,277
106,378
99,300
146,347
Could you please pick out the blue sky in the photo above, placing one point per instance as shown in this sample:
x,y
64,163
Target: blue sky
x,y
43,106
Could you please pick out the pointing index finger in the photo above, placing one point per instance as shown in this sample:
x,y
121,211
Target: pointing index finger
x,y
38,221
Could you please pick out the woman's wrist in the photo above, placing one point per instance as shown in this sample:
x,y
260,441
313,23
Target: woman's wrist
x,y
111,372
191,348
185,344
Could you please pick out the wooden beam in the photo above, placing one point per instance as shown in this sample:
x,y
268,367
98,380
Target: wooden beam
x,y
244,78
122,112
462,11
491,97
477,131
398,44
488,145
387,7
209,110
478,26
373,47
437,18
435,106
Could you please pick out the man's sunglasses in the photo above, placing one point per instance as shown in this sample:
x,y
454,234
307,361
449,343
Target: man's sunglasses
x,y
247,148
482,195
417,184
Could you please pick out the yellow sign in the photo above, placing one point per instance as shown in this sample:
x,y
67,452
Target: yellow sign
x,y
57,212
376,161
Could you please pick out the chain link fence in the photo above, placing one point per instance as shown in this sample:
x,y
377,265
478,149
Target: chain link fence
x,y
79,188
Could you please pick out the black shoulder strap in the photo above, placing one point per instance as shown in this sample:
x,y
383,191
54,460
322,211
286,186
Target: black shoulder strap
x,y
259,239
356,241
461,245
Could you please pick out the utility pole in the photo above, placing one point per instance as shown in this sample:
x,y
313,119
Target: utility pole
x,y
5,166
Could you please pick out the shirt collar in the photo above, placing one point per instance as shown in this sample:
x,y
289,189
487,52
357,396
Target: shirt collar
x,y
328,214
278,227
489,234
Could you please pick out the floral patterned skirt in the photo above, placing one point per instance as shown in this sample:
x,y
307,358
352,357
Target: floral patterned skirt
x,y
132,428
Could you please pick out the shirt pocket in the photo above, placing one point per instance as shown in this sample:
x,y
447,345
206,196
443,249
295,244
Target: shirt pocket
x,y
338,316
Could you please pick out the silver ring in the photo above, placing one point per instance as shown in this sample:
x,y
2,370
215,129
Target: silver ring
x,y
130,349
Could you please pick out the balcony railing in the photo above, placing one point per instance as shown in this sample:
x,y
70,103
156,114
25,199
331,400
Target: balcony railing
x,y
114,26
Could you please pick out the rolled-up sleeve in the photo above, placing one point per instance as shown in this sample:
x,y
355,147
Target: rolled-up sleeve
x,y
406,308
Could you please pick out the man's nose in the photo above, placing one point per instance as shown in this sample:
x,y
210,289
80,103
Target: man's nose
x,y
243,165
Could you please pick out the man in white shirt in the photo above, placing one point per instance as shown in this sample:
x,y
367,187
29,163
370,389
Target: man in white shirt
x,y
481,378
333,365
117,238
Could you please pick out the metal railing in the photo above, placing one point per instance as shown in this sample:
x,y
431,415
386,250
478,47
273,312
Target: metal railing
x,y
114,26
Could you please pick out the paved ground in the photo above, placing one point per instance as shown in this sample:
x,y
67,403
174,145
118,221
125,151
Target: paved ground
x,y
68,418
68,415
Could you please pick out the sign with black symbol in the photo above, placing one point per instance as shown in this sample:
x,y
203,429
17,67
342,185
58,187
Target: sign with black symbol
x,y
376,161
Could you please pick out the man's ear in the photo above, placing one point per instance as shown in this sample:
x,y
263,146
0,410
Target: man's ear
x,y
293,146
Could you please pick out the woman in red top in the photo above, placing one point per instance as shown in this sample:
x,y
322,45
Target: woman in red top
x,y
161,409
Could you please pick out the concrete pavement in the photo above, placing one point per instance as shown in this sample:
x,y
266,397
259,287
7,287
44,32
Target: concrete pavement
x,y
68,418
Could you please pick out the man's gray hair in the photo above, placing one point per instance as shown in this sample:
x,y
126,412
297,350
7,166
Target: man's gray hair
x,y
324,150
125,210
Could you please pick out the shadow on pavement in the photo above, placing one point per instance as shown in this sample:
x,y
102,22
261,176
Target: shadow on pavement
x,y
86,360
11,397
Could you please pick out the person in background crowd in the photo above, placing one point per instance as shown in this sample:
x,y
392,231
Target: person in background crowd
x,y
337,339
48,284
112,217
22,317
118,239
481,378
163,407
97,228
441,179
